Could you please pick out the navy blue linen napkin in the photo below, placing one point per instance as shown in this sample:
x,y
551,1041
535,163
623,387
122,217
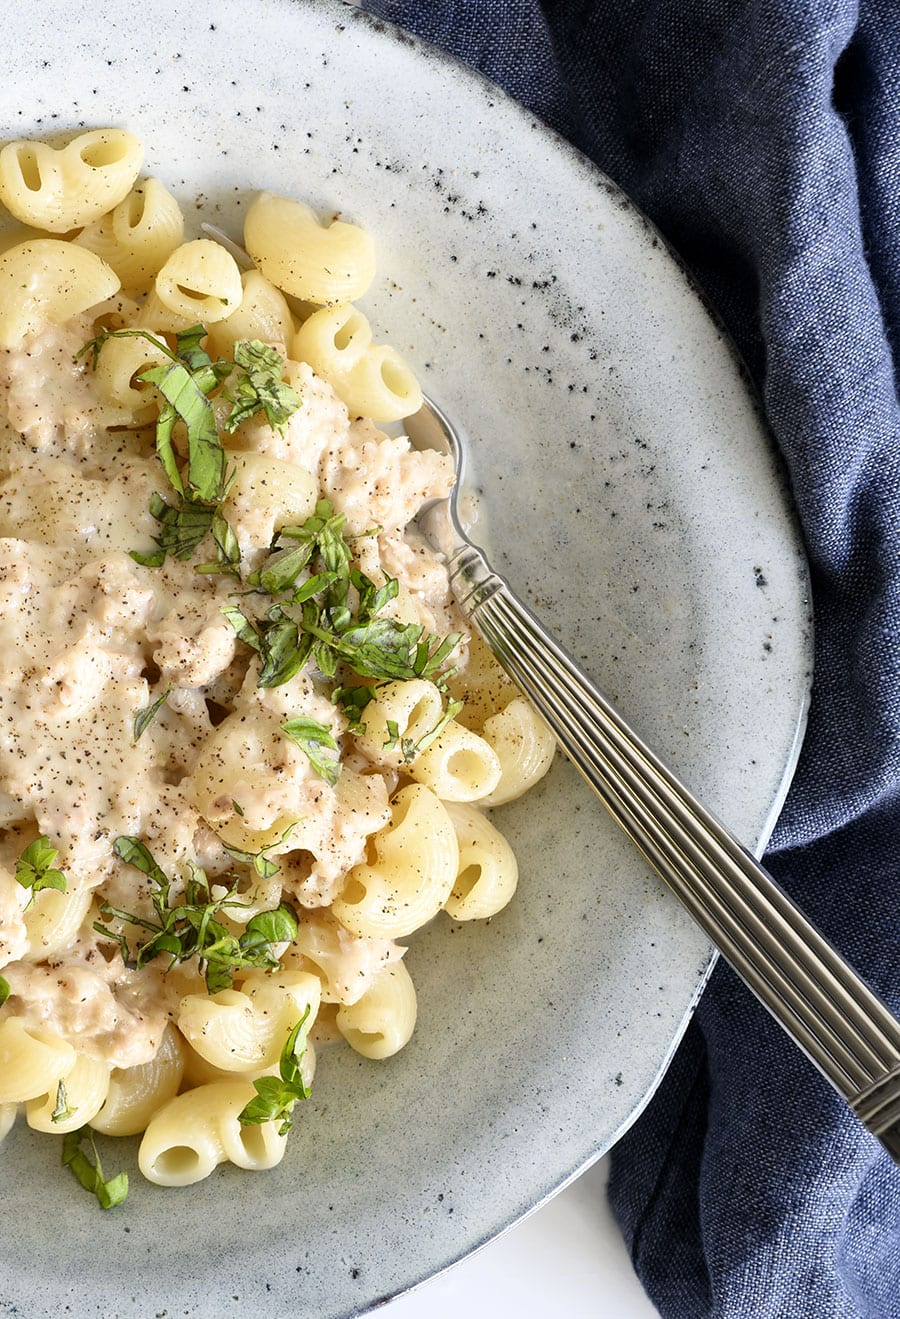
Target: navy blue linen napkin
x,y
763,138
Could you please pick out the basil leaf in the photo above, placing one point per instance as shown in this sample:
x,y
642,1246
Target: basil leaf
x,y
313,738
268,927
284,653
258,387
90,1175
61,1109
227,547
243,627
134,853
206,457
149,713
277,1095
35,870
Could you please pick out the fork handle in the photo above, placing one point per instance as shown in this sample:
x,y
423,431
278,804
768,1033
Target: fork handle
x,y
845,1028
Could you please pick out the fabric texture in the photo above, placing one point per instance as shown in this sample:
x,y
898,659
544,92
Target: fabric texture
x,y
763,138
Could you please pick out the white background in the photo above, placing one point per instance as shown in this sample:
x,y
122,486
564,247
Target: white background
x,y
566,1259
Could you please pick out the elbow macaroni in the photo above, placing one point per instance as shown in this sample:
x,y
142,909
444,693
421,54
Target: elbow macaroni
x,y
154,718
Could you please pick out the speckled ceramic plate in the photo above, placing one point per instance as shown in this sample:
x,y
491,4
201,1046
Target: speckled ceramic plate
x,y
631,493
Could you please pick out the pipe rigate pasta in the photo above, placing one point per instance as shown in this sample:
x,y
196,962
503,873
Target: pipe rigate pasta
x,y
524,746
45,282
119,365
320,263
200,280
63,188
135,1093
488,872
371,379
400,715
382,1021
32,1060
267,494
78,1101
243,1030
458,765
138,236
194,1132
410,875
263,313
53,919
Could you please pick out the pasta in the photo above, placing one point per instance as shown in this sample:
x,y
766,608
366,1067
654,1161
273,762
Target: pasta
x,y
63,188
382,1020
487,873
45,282
320,263
138,235
238,763
372,380
201,1128
200,281
86,1087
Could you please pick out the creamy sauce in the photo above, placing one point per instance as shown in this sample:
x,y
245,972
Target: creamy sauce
x,y
88,638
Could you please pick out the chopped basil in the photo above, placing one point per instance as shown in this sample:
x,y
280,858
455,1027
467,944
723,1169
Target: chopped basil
x,y
61,1110
277,1095
314,620
314,738
35,870
186,381
90,1175
149,713
190,928
257,386
260,862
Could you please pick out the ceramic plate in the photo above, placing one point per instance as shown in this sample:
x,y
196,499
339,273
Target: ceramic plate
x,y
629,491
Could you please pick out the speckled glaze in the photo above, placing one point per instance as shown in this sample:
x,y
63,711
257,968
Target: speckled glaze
x,y
631,495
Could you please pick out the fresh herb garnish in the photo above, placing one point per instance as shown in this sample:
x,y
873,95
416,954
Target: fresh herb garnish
x,y
260,862
277,1095
227,548
149,713
90,1175
191,928
314,619
186,381
35,870
314,738
410,748
61,1111
257,386
5,990
352,700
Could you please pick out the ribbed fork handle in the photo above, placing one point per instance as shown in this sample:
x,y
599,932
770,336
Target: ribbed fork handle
x,y
847,1031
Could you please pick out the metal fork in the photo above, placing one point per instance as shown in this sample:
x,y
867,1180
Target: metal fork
x,y
845,1028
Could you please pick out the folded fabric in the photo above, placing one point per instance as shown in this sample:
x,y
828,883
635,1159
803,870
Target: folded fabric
x,y
763,138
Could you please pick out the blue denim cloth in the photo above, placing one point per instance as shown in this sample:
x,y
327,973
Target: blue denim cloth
x,y
763,138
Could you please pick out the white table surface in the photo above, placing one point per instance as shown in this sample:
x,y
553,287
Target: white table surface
x,y
565,1259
